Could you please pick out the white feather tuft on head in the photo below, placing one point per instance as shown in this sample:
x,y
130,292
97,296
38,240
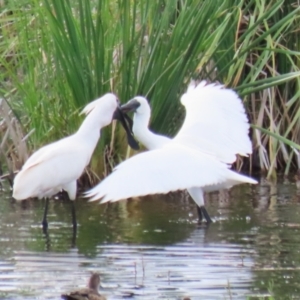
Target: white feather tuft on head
x,y
89,107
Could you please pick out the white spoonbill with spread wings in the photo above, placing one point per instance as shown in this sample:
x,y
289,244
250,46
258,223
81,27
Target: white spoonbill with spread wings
x,y
57,166
198,158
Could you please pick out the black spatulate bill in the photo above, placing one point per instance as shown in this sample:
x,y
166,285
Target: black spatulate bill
x,y
127,125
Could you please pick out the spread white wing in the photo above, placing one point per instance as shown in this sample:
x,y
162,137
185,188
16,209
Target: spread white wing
x,y
215,122
170,168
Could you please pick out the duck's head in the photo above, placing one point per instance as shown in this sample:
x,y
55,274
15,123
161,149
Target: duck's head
x,y
94,282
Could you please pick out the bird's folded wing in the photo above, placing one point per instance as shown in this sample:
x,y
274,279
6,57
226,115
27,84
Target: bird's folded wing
x,y
170,168
48,174
58,148
215,122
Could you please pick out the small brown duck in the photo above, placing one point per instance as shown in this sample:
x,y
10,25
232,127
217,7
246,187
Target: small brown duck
x,y
89,293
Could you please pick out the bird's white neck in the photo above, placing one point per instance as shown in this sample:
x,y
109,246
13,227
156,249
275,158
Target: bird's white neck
x,y
92,124
142,132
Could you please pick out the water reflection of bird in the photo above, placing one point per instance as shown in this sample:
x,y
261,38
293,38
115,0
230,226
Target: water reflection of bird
x,y
57,166
89,293
214,131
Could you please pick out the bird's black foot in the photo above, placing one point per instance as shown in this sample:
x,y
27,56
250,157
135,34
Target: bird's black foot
x,y
202,213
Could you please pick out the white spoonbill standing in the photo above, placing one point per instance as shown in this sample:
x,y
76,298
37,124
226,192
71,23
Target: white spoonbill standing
x,y
57,166
198,158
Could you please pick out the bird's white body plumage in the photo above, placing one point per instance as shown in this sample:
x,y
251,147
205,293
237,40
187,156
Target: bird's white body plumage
x,y
170,168
198,158
57,166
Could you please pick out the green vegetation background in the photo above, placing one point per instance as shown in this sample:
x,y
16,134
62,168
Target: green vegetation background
x,y
56,56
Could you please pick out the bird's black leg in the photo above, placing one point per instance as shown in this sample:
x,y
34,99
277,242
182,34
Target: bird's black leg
x,y
45,222
74,222
200,215
74,215
73,210
202,212
206,215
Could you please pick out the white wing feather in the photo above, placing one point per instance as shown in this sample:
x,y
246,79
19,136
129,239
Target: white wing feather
x,y
171,168
215,122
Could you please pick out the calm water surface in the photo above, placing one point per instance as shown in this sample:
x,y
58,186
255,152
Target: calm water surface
x,y
154,249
